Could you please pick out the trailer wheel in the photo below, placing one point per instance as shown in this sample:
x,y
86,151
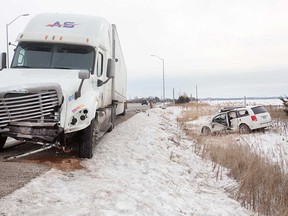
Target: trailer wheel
x,y
88,140
2,141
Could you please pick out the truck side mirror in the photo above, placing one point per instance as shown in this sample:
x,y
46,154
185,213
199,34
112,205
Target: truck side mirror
x,y
82,74
3,61
111,68
110,72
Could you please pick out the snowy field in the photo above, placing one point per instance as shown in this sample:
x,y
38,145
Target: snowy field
x,y
141,168
242,102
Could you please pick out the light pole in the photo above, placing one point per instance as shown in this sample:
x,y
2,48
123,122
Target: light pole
x,y
163,77
7,38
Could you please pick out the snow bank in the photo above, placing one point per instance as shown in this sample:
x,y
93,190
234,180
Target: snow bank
x,y
142,167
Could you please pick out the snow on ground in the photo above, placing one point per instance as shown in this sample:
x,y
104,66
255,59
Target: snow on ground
x,y
140,168
242,102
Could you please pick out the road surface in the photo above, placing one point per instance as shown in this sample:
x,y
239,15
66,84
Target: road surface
x,y
18,172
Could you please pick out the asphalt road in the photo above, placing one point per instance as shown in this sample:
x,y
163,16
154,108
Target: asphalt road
x,y
16,173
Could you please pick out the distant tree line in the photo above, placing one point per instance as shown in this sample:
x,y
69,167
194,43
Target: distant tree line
x,y
181,99
184,99
150,99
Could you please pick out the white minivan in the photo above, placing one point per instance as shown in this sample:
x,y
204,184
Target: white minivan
x,y
241,119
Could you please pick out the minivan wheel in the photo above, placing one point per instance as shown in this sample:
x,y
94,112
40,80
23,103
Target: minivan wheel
x,y
206,131
244,129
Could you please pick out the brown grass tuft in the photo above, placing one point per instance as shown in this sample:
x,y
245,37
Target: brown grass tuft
x,y
280,119
193,111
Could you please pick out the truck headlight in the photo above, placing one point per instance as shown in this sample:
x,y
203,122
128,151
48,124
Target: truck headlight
x,y
79,117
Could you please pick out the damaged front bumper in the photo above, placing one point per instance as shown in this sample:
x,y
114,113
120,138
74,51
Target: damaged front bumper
x,y
33,132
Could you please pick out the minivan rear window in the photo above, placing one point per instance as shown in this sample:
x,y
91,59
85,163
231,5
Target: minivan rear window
x,y
259,109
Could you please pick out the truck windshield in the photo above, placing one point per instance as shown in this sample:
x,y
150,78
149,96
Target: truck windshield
x,y
46,55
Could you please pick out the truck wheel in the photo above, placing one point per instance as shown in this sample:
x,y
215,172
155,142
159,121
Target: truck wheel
x,y
112,118
244,129
2,141
206,131
88,140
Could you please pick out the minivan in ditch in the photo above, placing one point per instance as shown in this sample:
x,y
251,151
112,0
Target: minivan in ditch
x,y
238,119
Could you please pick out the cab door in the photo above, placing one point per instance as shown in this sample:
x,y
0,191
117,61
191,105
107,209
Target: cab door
x,y
101,70
219,122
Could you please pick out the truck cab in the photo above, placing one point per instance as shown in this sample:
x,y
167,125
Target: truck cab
x,y
67,79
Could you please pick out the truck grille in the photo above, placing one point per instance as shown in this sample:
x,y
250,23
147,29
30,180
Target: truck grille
x,y
30,107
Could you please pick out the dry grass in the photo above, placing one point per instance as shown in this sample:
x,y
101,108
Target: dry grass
x,y
280,120
193,111
263,185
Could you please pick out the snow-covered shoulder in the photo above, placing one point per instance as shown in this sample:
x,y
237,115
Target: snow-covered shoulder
x,y
145,166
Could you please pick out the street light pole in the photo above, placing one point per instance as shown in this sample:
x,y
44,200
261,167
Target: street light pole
x,y
163,77
7,37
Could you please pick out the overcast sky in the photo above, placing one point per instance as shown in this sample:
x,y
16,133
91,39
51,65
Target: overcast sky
x,y
228,48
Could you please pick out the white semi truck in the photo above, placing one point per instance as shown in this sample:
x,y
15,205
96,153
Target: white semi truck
x,y
67,79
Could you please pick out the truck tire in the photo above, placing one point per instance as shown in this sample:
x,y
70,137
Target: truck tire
x,y
2,141
88,140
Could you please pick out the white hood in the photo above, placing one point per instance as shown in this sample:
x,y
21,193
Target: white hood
x,y
67,79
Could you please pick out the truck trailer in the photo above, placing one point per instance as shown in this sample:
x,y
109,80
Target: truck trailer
x,y
67,80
